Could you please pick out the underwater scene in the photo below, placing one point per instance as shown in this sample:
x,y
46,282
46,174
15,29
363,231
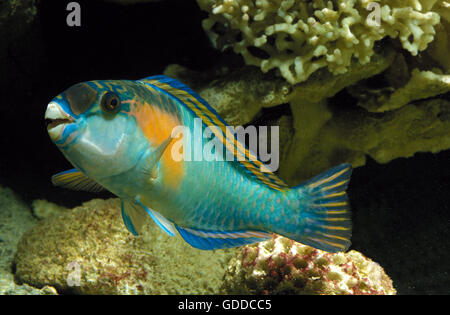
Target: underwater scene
x,y
225,147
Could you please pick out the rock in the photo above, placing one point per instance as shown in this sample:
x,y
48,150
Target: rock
x,y
43,209
15,219
240,94
350,135
89,251
419,86
282,266
9,287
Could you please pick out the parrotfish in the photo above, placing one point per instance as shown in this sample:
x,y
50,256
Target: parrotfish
x,y
118,134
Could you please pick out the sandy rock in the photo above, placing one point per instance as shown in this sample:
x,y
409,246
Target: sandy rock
x,y
89,251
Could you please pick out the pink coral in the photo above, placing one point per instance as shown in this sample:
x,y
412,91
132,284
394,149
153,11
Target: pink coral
x,y
282,266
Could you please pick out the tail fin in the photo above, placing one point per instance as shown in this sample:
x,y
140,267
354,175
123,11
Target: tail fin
x,y
327,222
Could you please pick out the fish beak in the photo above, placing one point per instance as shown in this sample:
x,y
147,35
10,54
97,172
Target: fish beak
x,y
58,119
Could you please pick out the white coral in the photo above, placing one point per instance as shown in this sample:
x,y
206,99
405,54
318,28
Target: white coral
x,y
299,37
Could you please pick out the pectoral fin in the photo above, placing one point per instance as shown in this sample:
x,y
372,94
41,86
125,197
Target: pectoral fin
x,y
76,180
133,216
151,166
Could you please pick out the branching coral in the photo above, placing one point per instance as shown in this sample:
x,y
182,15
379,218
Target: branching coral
x,y
282,266
440,47
300,37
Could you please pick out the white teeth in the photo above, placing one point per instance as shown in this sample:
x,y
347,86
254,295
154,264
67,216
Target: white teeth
x,y
59,120
54,112
55,132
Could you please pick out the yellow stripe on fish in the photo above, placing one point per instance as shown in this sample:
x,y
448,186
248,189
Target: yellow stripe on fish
x,y
210,119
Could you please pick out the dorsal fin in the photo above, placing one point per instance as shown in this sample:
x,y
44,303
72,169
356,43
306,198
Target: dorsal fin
x,y
193,102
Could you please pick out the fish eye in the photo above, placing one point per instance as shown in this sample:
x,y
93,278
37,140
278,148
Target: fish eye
x,y
110,103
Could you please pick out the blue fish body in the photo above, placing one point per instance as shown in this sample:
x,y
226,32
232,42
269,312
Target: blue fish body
x,y
212,204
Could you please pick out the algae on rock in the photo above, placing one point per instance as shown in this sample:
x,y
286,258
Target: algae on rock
x,y
91,239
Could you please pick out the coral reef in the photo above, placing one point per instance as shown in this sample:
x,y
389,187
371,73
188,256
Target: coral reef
x,y
326,127
89,251
384,102
282,266
227,91
347,91
300,37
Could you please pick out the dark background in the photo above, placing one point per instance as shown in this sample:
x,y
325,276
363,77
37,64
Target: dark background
x,y
401,211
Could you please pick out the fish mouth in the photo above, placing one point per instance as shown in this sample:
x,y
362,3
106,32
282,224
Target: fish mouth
x,y
56,120
53,123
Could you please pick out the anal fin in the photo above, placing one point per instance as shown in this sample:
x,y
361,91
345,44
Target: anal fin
x,y
208,240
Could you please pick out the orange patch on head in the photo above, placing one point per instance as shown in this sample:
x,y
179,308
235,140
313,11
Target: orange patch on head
x,y
157,126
